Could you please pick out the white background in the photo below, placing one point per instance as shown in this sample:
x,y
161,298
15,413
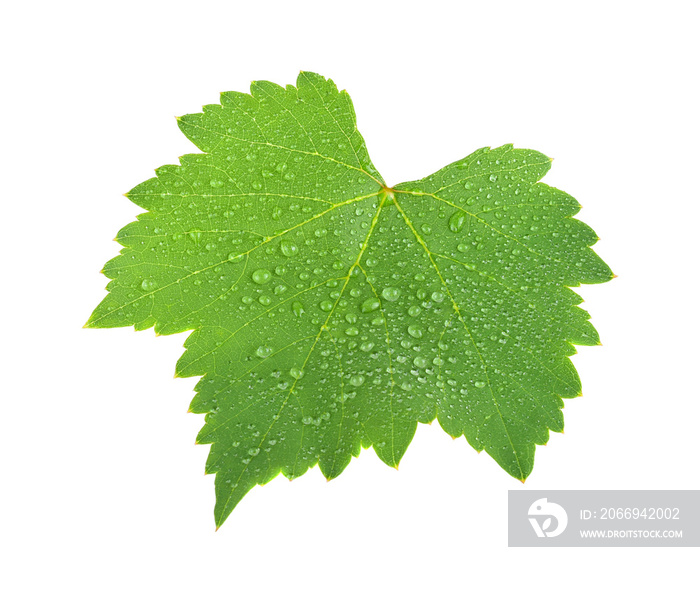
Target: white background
x,y
104,499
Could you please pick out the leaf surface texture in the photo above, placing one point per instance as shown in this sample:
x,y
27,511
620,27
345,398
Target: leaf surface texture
x,y
330,312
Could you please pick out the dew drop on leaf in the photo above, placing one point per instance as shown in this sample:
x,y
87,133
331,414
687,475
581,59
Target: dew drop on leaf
x,y
391,294
420,362
235,257
456,222
415,331
149,285
288,248
263,351
261,276
369,305
414,310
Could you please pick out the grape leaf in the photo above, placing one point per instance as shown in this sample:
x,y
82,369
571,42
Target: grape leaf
x,y
330,312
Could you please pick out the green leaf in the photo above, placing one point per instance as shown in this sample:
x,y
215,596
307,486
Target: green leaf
x,y
331,312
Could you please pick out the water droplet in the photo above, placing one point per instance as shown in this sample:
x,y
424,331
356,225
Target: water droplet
x,y
468,185
264,300
296,373
366,346
326,305
479,384
420,362
263,351
427,229
357,381
415,331
352,331
437,296
234,257
456,222
297,308
288,248
414,310
148,285
391,294
462,247
261,276
371,304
